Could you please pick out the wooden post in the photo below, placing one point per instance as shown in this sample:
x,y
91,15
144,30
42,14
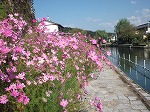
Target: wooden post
x,y
136,60
124,66
144,64
124,56
145,81
130,70
119,59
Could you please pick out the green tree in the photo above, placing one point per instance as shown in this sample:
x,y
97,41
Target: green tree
x,y
3,14
74,30
23,7
101,33
125,31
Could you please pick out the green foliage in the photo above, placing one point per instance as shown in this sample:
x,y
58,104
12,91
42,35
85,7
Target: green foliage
x,y
3,14
101,33
125,31
94,34
23,7
74,30
138,38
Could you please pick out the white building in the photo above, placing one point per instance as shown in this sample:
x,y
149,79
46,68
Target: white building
x,y
144,27
51,26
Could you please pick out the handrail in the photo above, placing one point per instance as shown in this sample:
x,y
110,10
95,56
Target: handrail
x,y
136,64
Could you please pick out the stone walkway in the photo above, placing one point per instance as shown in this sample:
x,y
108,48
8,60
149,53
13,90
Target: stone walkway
x,y
116,95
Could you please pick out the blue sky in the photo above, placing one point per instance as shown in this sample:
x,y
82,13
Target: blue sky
x,y
93,14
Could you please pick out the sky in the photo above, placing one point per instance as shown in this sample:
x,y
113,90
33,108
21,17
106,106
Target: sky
x,y
93,14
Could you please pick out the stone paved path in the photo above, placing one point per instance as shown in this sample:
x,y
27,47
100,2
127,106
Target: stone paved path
x,y
116,95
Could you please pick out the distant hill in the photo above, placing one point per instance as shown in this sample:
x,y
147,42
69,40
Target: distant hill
x,y
94,34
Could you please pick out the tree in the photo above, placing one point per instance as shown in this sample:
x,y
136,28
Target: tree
x,y
23,7
74,30
125,31
101,33
3,14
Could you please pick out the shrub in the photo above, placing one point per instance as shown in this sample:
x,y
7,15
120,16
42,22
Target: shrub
x,y
43,72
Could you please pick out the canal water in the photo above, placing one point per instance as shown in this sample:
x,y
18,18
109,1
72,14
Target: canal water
x,y
135,62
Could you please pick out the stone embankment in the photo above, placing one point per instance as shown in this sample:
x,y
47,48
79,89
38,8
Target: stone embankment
x,y
117,93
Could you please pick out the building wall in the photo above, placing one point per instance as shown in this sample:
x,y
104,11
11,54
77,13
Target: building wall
x,y
51,27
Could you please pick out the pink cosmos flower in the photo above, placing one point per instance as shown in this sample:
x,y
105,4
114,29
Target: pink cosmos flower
x,y
63,43
7,32
96,98
79,96
99,106
20,85
14,93
16,14
54,58
28,82
11,87
14,69
28,63
23,98
51,77
5,50
18,49
92,102
108,53
1,42
94,41
93,55
3,76
14,57
104,41
21,76
48,93
85,91
76,67
41,60
45,78
75,47
26,100
3,99
64,103
34,20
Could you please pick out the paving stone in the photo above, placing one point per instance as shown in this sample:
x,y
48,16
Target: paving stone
x,y
147,98
136,102
104,92
145,94
123,106
122,97
145,110
132,98
110,103
135,107
111,96
108,110
128,110
116,96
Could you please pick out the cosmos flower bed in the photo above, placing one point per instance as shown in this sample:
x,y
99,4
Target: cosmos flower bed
x,y
44,72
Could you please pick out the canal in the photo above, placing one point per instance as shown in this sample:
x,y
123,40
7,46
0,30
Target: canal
x,y
135,62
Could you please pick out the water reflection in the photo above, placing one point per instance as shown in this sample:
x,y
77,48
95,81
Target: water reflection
x,y
136,73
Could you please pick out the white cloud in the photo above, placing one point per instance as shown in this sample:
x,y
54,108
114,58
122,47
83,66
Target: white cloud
x,y
133,2
146,13
136,20
110,25
71,25
93,19
142,17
